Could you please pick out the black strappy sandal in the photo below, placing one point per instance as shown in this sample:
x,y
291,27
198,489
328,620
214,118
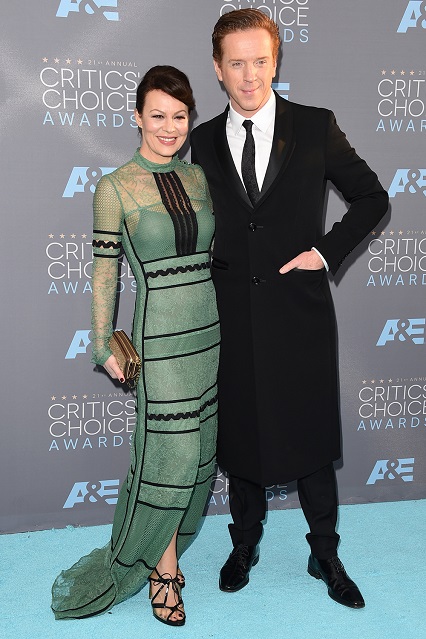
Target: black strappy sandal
x,y
180,578
166,582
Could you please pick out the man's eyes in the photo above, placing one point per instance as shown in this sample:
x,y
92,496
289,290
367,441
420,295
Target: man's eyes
x,y
258,63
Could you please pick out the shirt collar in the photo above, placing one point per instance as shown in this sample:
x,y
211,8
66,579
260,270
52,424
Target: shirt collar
x,y
262,119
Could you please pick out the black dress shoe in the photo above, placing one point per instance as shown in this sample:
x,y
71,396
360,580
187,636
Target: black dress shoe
x,y
341,588
235,573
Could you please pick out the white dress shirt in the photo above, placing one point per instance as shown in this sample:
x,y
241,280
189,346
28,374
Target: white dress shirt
x,y
263,134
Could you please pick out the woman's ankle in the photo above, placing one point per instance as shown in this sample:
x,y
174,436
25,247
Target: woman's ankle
x,y
167,567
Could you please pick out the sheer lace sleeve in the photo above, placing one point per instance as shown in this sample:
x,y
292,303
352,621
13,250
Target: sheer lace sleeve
x,y
107,233
202,182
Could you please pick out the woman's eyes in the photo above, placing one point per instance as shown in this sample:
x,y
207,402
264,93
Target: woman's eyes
x,y
159,116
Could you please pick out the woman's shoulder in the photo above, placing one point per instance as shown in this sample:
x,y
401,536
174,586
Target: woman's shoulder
x,y
121,175
193,169
127,168
197,175
111,179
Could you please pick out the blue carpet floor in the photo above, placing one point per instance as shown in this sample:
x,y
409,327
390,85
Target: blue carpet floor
x,y
383,549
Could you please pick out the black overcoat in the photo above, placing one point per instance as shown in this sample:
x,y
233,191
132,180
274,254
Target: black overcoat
x,y
278,388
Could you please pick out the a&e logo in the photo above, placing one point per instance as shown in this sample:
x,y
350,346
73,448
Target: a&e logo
x,y
403,330
386,469
81,176
79,344
408,180
412,15
90,6
105,490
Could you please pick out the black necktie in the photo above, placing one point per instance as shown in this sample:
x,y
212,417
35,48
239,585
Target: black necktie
x,y
248,171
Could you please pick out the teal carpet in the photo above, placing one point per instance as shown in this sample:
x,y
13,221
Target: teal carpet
x,y
383,549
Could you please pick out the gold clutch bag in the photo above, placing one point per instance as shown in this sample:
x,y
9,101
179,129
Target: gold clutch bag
x,y
126,356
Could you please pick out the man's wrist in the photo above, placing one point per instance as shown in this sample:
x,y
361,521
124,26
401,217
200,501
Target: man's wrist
x,y
322,258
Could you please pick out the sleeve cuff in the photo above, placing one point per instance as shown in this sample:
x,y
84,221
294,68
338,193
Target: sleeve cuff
x,y
322,259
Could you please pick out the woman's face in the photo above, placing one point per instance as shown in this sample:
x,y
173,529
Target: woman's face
x,y
164,122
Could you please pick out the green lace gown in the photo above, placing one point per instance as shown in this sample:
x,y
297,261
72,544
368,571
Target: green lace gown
x,y
161,215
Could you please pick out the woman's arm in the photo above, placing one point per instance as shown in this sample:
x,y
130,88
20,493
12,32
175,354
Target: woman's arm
x,y
107,234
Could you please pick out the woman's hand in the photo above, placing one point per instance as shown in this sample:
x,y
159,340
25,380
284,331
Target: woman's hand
x,y
112,368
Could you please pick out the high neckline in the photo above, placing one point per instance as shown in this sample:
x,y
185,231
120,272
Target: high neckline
x,y
154,167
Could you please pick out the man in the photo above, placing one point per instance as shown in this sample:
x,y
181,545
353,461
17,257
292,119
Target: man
x,y
267,162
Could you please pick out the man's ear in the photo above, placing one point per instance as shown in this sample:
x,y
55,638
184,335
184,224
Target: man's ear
x,y
217,69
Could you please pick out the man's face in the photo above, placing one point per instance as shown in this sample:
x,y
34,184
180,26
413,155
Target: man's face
x,y
246,69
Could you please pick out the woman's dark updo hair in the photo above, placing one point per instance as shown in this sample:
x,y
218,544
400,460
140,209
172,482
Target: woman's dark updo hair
x,y
168,79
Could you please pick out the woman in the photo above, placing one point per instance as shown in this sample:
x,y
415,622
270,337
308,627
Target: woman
x,y
158,209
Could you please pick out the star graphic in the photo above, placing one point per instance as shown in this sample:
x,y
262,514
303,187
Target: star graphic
x,y
73,235
364,381
402,72
74,396
45,60
411,72
400,232
373,381
373,232
83,235
56,60
383,72
382,381
51,235
84,396
390,381
382,233
53,398
68,61
64,396
79,61
62,236
391,232
393,72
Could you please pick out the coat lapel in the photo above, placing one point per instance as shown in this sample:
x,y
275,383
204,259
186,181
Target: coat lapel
x,y
283,145
225,159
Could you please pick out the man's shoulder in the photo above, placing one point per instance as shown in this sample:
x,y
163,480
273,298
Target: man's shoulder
x,y
306,110
208,126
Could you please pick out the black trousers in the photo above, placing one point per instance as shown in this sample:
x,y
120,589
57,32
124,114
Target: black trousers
x,y
318,498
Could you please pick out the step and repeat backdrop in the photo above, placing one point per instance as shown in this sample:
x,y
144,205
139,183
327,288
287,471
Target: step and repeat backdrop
x,y
68,76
